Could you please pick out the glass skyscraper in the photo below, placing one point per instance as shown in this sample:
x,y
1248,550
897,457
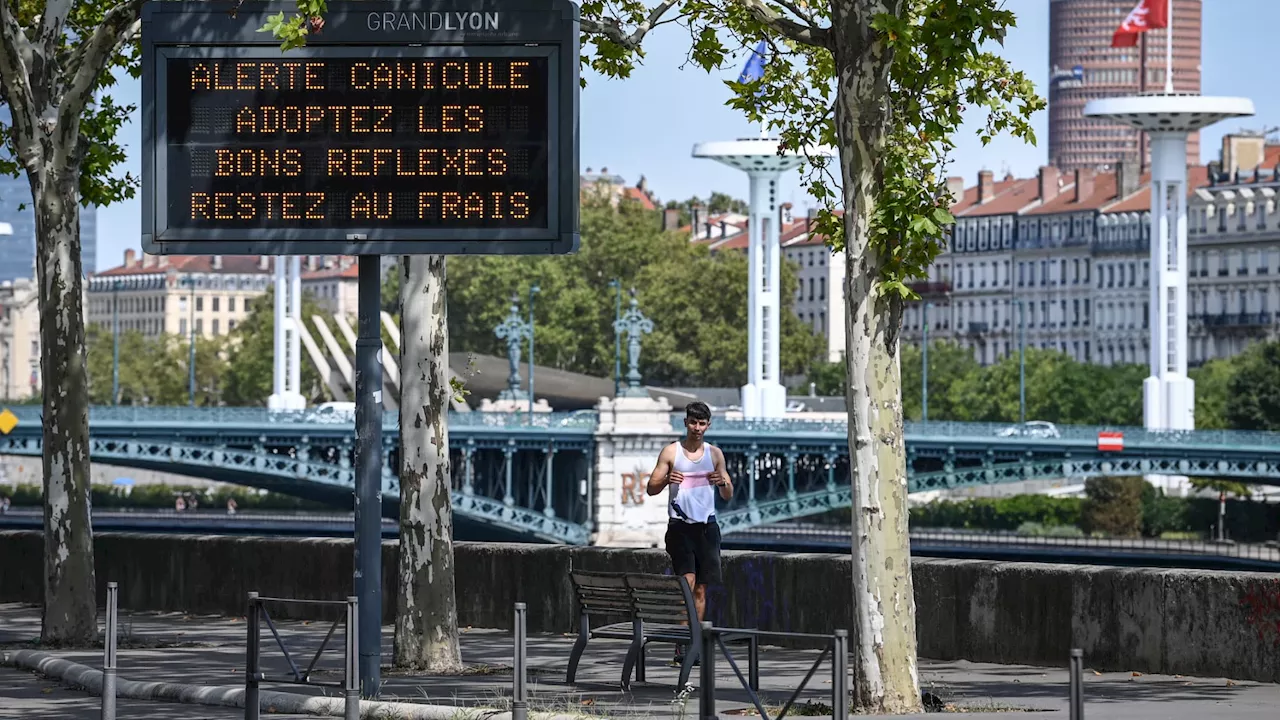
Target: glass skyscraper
x,y
18,251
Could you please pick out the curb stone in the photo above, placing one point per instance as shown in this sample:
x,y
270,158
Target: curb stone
x,y
89,679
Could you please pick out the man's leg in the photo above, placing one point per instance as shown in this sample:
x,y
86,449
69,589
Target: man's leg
x,y
699,596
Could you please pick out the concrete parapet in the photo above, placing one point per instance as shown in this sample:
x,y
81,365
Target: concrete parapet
x,y
1184,622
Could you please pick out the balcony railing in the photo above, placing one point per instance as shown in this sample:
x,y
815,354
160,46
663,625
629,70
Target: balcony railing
x,y
979,328
924,289
1229,320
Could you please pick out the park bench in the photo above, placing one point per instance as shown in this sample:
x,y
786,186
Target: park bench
x,y
654,608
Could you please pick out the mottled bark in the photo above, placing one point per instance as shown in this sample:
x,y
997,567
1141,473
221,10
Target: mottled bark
x,y
70,609
426,631
884,632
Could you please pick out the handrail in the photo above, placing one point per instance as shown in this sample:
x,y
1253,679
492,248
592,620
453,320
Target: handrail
x,y
713,637
254,677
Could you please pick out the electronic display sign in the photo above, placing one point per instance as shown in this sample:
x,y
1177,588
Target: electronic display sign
x,y
396,130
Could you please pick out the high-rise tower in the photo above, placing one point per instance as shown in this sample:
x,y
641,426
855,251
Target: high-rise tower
x,y
1083,66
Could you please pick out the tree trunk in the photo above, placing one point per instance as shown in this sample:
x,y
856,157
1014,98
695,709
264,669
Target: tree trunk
x,y
426,634
884,631
70,614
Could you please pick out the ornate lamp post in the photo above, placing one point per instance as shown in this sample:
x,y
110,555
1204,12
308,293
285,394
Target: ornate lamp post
x,y
190,282
533,290
634,324
924,370
115,341
616,284
513,330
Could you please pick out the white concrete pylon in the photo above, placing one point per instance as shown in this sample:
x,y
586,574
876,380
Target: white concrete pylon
x,y
763,396
1168,394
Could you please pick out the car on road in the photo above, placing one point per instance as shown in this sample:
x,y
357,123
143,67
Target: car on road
x,y
1031,429
333,412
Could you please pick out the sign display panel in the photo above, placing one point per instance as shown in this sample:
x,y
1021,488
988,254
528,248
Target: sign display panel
x,y
459,142
357,142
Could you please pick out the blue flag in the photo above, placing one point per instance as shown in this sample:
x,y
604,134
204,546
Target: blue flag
x,y
754,69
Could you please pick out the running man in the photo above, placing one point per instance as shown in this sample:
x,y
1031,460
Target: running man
x,y
695,472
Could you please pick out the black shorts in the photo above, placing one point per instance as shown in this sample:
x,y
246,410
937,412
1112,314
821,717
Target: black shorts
x,y
695,548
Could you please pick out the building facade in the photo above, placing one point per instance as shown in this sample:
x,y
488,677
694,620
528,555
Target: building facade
x,y
19,340
171,294
1064,258
1083,66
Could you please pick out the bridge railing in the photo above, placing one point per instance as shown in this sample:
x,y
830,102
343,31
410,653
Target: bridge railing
x,y
30,416
837,430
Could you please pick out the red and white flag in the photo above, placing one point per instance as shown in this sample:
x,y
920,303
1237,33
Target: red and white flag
x,y
1148,15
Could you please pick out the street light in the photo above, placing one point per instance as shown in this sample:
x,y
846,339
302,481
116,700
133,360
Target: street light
x,y
533,290
924,392
1022,360
191,328
115,341
616,284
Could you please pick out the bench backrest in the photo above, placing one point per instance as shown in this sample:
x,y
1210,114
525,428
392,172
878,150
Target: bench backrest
x,y
661,598
601,593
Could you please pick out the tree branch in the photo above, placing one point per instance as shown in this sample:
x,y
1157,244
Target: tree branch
x,y
15,61
611,29
117,27
802,33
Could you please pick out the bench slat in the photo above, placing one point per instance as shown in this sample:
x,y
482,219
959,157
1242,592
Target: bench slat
x,y
654,583
586,578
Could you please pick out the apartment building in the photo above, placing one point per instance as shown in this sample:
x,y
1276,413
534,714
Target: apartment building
x,y
1077,248
158,295
19,340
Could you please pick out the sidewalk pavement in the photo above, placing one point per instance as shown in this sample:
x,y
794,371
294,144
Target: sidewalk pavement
x,y
210,651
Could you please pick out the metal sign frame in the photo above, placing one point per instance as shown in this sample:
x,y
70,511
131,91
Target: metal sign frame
x,y
506,28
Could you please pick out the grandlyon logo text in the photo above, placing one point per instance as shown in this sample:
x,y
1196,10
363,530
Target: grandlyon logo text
x,y
433,21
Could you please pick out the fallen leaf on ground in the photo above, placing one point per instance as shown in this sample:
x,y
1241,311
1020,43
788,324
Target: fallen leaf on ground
x,y
1137,674
1095,672
589,701
1231,683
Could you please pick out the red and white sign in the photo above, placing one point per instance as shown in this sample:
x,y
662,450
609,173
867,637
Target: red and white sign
x,y
1148,15
1111,441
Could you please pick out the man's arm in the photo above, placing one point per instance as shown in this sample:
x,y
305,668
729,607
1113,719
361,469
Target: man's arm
x,y
720,475
660,477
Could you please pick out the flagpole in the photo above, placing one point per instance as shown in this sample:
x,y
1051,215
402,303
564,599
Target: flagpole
x,y
1168,52
1142,89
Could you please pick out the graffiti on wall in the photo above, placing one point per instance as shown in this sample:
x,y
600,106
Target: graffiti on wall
x,y
633,487
1261,607
749,597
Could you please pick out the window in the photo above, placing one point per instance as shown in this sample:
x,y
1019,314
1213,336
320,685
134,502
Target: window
x,y
1111,276
182,327
1086,313
1022,274
1244,302
231,304
215,326
822,288
215,307
810,289
1075,312
1133,273
200,304
1075,271
1222,219
199,326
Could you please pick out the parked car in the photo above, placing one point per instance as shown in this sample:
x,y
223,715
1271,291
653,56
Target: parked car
x,y
1031,428
333,412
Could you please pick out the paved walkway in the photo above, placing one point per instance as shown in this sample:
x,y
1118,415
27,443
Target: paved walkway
x,y
210,651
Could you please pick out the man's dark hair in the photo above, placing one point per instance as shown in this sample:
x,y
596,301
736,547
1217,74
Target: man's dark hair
x,y
697,410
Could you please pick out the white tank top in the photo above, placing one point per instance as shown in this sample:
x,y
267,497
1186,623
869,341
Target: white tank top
x,y
693,500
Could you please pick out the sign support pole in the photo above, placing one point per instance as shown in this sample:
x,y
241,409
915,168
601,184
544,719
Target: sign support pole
x,y
368,476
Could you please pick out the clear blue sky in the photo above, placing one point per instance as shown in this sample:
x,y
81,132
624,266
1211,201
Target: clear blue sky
x,y
648,124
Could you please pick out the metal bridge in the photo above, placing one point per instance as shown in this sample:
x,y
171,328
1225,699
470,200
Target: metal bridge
x,y
536,476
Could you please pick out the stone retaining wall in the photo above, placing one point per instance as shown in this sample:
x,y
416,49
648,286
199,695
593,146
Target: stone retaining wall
x,y
1187,622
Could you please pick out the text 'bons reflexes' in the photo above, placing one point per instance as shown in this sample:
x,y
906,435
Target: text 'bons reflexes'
x,y
328,141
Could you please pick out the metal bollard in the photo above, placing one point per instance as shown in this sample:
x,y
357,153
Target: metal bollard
x,y
519,697
840,675
707,658
252,703
1076,700
109,655
351,662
